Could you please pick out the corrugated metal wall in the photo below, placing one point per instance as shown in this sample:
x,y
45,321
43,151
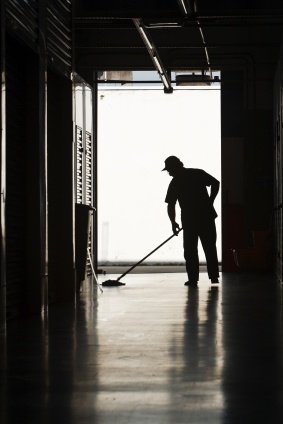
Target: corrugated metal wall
x,y
22,19
59,35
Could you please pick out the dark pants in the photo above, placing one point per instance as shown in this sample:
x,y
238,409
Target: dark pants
x,y
206,232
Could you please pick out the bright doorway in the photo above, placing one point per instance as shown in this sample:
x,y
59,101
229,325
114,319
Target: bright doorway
x,y
137,129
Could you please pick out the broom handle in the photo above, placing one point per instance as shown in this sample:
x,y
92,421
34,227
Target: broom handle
x,y
129,270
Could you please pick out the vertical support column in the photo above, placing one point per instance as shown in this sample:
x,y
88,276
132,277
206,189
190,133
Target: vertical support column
x,y
278,137
35,181
37,174
61,263
43,154
3,168
95,125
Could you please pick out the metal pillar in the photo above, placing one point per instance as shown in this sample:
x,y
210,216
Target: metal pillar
x,y
3,168
43,154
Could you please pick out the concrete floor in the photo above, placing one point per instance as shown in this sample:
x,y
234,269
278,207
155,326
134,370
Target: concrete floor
x,y
152,351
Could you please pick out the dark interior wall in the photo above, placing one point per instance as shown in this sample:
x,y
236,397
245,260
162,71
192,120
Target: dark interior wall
x,y
24,271
61,278
23,209
16,178
232,133
247,157
259,151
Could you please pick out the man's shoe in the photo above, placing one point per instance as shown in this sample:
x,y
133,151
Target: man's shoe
x,y
192,283
214,281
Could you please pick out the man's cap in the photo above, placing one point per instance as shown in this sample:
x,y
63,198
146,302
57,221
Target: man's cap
x,y
172,161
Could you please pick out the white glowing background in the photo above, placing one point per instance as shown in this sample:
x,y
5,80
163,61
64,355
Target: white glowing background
x,y
137,130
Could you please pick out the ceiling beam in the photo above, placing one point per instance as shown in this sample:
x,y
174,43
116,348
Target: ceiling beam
x,y
189,8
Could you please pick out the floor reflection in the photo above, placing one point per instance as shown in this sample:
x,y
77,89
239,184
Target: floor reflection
x,y
202,351
153,351
48,366
252,338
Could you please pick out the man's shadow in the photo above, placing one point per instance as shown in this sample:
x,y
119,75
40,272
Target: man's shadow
x,y
200,331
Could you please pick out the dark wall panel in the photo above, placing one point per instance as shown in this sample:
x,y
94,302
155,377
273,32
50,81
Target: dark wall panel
x,y
232,98
60,187
23,207
16,231
232,133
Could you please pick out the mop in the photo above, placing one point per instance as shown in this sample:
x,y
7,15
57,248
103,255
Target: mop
x,y
92,269
116,283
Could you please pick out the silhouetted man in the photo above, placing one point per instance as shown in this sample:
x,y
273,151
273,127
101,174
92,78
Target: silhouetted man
x,y
189,187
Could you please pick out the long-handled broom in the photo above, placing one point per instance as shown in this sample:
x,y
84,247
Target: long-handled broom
x,y
115,283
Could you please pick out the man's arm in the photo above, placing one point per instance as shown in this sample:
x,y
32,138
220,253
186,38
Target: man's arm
x,y
214,189
172,216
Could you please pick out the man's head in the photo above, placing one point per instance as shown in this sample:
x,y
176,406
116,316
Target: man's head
x,y
173,165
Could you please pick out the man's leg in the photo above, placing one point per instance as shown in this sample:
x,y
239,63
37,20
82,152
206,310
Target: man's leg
x,y
208,240
191,253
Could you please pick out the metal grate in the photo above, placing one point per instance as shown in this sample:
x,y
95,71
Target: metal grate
x,y
79,162
88,169
84,183
88,187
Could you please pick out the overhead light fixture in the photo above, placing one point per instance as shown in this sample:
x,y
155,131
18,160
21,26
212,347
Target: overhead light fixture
x,y
193,79
188,7
155,25
146,40
154,56
163,75
183,6
164,80
156,61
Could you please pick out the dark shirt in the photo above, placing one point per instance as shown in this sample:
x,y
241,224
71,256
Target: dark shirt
x,y
189,188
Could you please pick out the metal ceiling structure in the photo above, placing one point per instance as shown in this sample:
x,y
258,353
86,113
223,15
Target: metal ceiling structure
x,y
183,34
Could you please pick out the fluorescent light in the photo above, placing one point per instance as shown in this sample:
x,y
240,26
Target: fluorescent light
x,y
161,72
164,25
164,80
151,49
157,64
182,3
145,37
